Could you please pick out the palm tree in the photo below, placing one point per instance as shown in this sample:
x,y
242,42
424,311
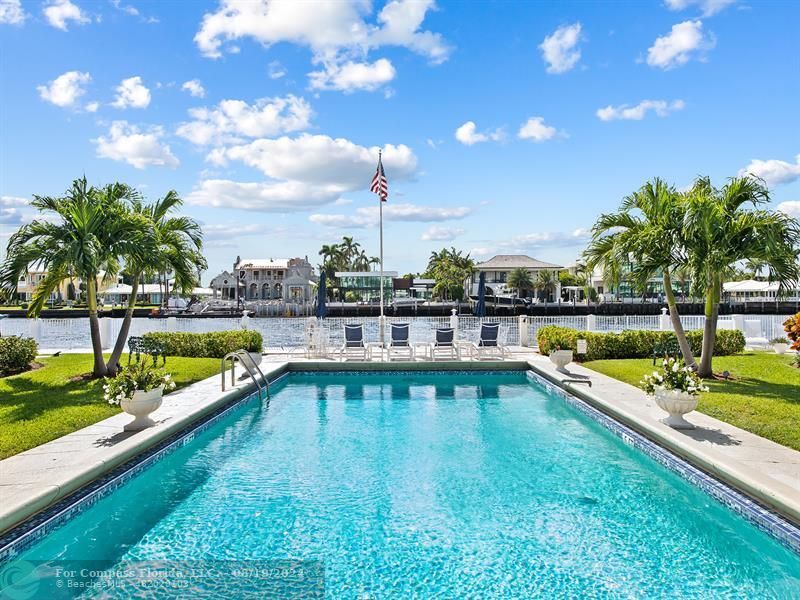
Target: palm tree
x,y
86,231
519,279
450,269
174,244
726,226
545,282
646,229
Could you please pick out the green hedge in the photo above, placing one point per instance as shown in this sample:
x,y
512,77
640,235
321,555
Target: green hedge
x,y
16,354
631,343
207,345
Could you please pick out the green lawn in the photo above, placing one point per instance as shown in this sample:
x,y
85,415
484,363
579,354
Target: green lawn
x,y
41,405
764,398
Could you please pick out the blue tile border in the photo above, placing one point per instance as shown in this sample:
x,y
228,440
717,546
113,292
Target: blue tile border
x,y
26,534
756,513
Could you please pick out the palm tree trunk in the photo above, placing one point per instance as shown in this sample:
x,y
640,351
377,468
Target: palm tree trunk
x,y
122,337
99,369
710,329
686,350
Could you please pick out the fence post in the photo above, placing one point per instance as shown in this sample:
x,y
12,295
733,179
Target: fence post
x,y
664,323
738,322
524,331
454,322
172,324
591,322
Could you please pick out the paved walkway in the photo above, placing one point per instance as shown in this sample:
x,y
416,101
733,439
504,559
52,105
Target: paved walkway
x,y
36,478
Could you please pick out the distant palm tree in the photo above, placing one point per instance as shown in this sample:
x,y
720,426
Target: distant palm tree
x,y
723,227
648,228
520,280
85,233
173,244
545,282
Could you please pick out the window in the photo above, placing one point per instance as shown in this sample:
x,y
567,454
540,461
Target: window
x,y
255,275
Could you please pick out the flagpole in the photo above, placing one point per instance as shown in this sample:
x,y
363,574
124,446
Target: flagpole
x,y
380,213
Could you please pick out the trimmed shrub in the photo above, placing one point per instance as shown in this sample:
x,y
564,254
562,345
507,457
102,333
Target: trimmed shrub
x,y
631,343
215,344
16,354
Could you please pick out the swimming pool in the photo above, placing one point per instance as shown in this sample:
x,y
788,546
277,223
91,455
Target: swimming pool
x,y
412,484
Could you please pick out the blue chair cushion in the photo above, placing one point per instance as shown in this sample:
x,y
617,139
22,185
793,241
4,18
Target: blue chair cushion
x,y
444,336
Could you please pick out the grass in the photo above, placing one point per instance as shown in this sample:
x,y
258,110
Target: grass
x,y
763,398
41,405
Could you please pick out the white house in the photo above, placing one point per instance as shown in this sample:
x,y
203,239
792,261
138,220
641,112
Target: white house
x,y
498,267
287,279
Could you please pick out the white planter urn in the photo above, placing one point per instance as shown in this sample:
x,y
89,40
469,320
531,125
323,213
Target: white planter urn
x,y
561,358
780,348
140,405
256,357
677,404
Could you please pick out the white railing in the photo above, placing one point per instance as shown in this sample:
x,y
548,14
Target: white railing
x,y
287,332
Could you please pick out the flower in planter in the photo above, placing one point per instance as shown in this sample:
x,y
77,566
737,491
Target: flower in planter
x,y
142,376
792,328
674,375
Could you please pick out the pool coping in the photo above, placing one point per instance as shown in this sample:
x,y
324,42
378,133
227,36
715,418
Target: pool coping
x,y
52,502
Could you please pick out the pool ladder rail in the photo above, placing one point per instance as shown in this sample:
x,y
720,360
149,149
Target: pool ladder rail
x,y
250,367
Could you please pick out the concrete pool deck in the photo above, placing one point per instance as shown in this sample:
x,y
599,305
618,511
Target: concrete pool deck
x,y
37,478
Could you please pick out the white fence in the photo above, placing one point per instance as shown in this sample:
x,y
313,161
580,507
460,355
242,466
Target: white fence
x,y
279,332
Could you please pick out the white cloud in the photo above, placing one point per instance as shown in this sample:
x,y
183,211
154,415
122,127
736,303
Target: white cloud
x,y
132,93
332,164
9,210
440,234
195,88
325,27
774,172
535,129
134,146
368,216
233,120
662,108
276,70
708,7
468,135
59,12
338,34
91,107
560,49
790,207
677,47
65,89
126,8
11,12
286,196
522,244
352,76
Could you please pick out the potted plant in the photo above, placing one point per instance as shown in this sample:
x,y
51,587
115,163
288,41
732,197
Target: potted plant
x,y
780,344
138,390
792,328
560,358
676,389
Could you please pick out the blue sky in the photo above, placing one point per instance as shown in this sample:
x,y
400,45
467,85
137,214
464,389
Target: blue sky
x,y
507,127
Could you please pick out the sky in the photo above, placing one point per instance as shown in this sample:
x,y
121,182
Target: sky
x,y
506,127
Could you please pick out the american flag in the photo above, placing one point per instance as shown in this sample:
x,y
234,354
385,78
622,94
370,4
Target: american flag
x,y
379,184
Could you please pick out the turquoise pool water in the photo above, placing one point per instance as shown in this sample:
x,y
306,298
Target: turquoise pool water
x,y
423,485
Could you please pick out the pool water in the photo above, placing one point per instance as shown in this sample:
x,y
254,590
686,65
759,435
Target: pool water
x,y
423,485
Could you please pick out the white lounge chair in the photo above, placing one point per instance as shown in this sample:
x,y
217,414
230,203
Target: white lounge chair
x,y
399,345
353,346
488,344
444,344
753,335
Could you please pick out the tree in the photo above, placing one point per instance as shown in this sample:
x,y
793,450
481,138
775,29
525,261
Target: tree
x,y
174,244
545,282
647,229
345,256
83,235
449,268
520,280
723,227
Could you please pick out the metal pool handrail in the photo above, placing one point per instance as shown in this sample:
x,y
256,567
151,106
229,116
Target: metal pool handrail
x,y
249,365
586,381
